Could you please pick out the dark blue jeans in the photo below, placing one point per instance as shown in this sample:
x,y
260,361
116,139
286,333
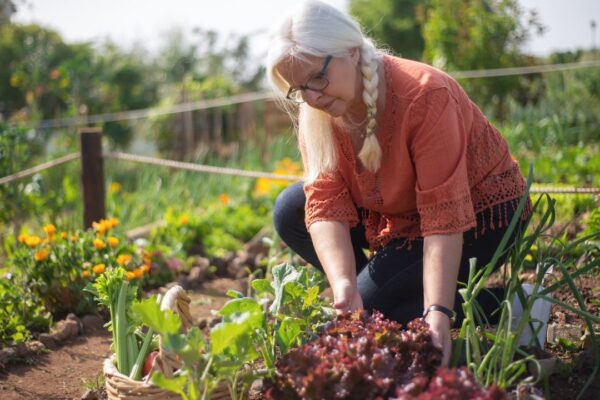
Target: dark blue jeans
x,y
391,281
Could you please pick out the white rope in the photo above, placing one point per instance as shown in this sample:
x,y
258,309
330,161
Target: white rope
x,y
198,167
154,111
235,172
38,168
256,96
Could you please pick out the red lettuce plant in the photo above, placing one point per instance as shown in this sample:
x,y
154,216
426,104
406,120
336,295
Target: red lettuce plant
x,y
363,356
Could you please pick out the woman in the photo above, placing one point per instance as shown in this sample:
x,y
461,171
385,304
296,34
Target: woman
x,y
398,160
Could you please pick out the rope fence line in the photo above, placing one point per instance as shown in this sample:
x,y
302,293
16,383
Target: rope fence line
x,y
199,167
257,96
34,170
235,172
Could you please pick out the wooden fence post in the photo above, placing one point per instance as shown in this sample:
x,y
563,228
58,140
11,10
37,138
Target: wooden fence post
x,y
92,175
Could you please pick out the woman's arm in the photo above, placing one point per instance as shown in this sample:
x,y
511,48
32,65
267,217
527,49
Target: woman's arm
x,y
334,248
441,262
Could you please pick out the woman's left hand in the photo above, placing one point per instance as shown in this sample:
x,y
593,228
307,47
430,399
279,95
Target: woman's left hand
x,y
439,323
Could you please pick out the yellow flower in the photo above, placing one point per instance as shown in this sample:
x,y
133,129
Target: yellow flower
x,y
138,273
115,187
123,259
98,269
130,276
112,241
41,255
99,244
63,235
73,238
33,241
224,198
529,258
50,230
23,237
86,274
145,268
184,219
99,227
112,222
263,186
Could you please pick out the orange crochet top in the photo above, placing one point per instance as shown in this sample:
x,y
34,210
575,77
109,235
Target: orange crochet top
x,y
442,163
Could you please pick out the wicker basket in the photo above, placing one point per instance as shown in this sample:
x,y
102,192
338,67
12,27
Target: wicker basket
x,y
121,387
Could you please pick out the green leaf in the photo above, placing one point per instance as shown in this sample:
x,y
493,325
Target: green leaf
x,y
175,384
162,322
262,286
240,317
194,347
234,294
288,332
282,275
312,294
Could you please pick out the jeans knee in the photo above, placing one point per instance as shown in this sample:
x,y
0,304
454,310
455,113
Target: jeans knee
x,y
288,211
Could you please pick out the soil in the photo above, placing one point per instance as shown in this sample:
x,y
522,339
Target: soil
x,y
65,372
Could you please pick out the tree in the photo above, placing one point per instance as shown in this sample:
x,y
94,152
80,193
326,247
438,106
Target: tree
x,y
478,34
392,23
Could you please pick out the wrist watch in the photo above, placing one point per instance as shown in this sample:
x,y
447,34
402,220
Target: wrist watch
x,y
451,314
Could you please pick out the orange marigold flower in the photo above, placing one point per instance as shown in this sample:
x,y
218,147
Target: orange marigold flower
x,y
145,268
224,198
73,238
86,274
63,235
112,222
33,241
99,227
130,276
23,237
41,255
112,241
50,229
138,273
123,259
99,244
99,269
184,219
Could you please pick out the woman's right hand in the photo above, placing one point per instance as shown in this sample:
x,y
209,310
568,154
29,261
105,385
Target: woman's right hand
x,y
346,297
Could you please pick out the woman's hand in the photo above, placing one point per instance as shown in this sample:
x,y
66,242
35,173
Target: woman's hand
x,y
346,296
439,323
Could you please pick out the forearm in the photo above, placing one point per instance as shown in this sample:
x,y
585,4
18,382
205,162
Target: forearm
x,y
333,245
441,262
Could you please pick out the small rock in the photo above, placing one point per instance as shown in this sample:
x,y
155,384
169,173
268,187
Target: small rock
x,y
201,262
91,323
6,354
34,346
73,317
66,329
48,340
565,331
197,276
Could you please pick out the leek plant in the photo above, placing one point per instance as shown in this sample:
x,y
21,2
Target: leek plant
x,y
491,356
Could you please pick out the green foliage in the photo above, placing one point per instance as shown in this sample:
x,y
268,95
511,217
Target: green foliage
x,y
477,34
21,311
392,23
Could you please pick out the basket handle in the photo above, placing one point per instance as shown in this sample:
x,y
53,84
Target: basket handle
x,y
178,301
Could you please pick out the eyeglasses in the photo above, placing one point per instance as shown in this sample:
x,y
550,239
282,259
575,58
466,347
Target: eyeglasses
x,y
317,83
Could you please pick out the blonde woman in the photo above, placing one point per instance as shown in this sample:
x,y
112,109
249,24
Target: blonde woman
x,y
398,160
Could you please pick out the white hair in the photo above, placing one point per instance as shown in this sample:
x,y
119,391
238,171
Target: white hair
x,y
318,29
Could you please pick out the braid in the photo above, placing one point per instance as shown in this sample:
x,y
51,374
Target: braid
x,y
370,153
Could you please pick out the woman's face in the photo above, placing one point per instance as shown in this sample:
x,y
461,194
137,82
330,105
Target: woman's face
x,y
345,82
